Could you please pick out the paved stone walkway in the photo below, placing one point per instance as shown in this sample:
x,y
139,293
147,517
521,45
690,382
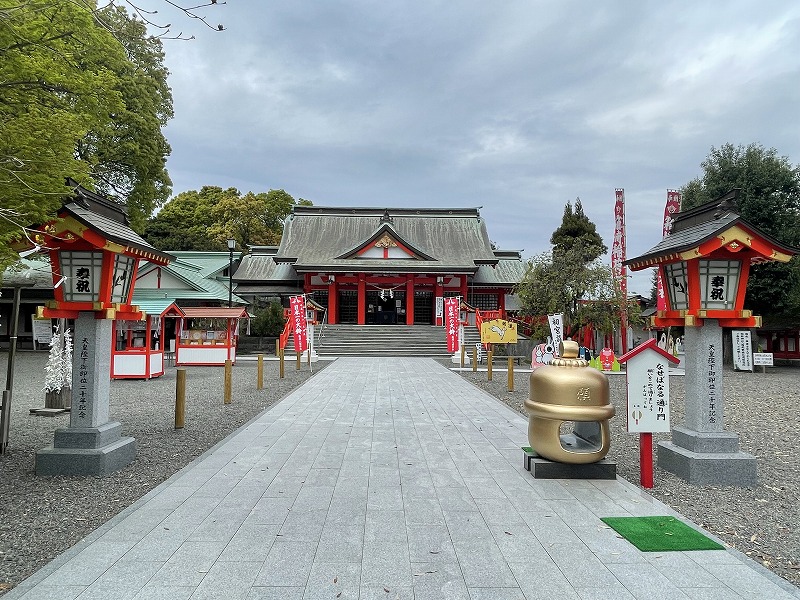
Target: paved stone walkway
x,y
384,479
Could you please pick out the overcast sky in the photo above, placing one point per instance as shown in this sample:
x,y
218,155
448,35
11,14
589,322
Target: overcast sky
x,y
517,107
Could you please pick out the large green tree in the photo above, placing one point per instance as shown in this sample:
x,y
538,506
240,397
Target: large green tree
x,y
130,153
57,84
770,200
83,94
204,220
572,280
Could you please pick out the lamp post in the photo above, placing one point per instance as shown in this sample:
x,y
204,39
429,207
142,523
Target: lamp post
x,y
231,248
94,258
704,264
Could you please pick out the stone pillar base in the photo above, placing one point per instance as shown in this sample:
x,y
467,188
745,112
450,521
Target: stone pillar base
x,y
86,451
702,458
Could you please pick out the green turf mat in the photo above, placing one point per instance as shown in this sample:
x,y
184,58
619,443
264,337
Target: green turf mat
x,y
660,534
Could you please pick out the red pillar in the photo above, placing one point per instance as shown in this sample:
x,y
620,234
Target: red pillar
x,y
333,301
362,299
410,299
464,288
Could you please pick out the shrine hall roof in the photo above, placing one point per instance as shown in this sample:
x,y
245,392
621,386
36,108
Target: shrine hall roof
x,y
319,238
700,225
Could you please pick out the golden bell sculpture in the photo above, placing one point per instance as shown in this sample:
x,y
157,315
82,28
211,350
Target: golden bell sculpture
x,y
565,390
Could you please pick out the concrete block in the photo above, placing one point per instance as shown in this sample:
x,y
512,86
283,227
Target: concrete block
x,y
547,469
702,441
709,468
86,461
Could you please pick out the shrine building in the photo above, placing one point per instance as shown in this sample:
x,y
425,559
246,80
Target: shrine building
x,y
382,265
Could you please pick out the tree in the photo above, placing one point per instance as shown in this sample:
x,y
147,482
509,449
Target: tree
x,y
183,223
57,84
770,200
130,153
83,94
204,220
253,219
577,230
268,321
572,280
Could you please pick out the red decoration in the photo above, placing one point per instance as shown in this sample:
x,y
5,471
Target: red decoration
x,y
451,307
297,306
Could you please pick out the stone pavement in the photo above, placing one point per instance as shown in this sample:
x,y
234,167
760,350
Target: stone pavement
x,y
385,478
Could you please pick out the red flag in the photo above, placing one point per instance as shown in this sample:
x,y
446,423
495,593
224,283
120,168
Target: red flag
x,y
618,248
297,304
672,207
451,308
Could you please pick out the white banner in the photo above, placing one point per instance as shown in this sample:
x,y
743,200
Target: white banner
x,y
556,330
742,350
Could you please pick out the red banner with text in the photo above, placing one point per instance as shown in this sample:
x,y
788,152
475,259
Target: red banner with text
x,y
451,325
672,207
297,306
618,248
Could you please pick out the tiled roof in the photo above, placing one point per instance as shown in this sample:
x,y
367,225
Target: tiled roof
x,y
455,239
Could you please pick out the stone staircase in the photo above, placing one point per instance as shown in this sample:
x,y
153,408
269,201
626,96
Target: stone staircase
x,y
384,340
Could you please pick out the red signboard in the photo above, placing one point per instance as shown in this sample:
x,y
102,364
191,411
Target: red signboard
x,y
451,308
672,207
297,304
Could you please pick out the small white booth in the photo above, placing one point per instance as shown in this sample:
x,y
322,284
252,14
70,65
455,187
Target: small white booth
x,y
138,348
207,335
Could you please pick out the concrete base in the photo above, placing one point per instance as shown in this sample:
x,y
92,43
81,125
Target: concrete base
x,y
708,468
541,468
86,451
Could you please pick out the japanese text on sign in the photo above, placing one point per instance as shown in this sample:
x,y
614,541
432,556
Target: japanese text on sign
x,y
297,306
451,308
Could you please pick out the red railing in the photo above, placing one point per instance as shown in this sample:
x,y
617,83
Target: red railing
x,y
287,329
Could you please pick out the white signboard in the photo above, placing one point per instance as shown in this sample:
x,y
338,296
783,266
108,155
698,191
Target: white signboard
x,y
762,359
648,393
742,350
439,307
42,330
556,330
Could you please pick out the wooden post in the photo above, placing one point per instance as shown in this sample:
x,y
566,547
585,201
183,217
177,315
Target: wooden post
x,y
474,359
299,358
281,362
228,380
180,399
489,364
510,374
463,352
260,383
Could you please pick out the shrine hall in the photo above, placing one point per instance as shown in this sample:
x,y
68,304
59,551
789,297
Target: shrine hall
x,y
382,265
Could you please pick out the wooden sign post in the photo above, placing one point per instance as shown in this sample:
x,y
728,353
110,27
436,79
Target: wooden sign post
x,y
647,377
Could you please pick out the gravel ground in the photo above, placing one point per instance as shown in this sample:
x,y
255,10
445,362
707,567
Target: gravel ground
x,y
42,517
762,522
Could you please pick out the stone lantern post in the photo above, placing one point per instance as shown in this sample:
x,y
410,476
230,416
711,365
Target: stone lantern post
x,y
704,263
94,257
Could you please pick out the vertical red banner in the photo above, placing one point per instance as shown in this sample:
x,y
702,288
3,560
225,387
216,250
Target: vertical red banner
x,y
617,262
672,207
618,248
451,308
297,306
